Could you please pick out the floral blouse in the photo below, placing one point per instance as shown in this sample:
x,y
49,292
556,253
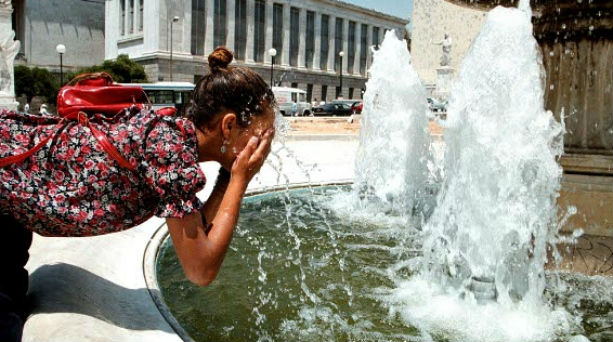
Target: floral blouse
x,y
71,187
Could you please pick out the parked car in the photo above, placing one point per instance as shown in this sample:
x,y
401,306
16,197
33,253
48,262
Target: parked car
x,y
352,103
333,108
292,101
357,108
436,105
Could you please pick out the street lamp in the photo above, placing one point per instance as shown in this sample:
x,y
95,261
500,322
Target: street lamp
x,y
61,49
273,53
174,20
341,54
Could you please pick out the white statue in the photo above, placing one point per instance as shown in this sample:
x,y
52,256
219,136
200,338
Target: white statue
x,y
446,43
8,50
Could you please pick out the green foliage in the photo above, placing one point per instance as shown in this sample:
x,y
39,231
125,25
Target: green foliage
x,y
41,82
36,82
123,70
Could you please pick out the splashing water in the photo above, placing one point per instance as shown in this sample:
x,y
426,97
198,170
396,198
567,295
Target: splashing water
x,y
392,160
482,275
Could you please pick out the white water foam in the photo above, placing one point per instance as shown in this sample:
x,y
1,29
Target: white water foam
x,y
482,276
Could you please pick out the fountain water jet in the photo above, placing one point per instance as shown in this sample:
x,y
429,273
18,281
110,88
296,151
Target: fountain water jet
x,y
392,162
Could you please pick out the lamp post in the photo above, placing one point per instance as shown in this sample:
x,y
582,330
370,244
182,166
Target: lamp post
x,y
61,49
341,54
273,53
174,20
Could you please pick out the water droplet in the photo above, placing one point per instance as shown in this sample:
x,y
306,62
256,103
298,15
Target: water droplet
x,y
563,26
551,87
591,28
551,53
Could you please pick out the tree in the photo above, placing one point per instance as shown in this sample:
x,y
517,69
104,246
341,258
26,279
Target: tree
x,y
35,82
123,70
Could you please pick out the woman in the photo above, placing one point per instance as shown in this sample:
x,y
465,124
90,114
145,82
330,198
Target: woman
x,y
72,188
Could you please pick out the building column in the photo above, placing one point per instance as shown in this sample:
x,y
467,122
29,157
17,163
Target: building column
x,y
302,38
186,29
286,34
345,48
249,55
230,18
368,47
209,30
317,49
152,40
358,48
126,19
268,36
331,45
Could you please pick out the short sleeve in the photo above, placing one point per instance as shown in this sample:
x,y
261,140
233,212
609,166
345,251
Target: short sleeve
x,y
171,167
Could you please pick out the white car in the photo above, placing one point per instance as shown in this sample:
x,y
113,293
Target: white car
x,y
292,101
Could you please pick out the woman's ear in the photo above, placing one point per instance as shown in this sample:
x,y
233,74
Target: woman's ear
x,y
228,123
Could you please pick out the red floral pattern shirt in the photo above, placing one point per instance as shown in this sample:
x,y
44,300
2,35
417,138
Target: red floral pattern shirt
x,y
71,187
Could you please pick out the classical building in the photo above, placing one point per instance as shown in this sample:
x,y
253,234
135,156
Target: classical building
x,y
308,36
40,25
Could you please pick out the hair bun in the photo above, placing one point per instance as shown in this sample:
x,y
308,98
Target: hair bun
x,y
220,58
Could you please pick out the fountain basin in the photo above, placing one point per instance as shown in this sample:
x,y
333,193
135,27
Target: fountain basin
x,y
321,276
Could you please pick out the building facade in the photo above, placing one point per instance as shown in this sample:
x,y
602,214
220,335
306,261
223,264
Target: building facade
x,y
40,25
431,20
308,36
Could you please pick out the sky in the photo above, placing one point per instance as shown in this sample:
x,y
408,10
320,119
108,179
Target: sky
x,y
398,8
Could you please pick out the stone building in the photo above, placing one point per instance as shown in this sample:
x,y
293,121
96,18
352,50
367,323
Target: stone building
x,y
430,21
41,25
308,36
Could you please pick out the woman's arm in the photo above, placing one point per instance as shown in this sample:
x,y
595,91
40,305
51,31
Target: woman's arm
x,y
202,253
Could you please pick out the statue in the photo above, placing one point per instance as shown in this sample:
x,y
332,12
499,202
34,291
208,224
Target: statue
x,y
8,51
446,44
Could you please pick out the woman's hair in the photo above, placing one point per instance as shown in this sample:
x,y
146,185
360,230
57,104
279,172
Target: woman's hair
x,y
235,88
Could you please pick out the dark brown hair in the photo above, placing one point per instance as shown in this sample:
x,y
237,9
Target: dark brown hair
x,y
236,88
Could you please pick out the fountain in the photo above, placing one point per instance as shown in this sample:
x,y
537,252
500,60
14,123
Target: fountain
x,y
300,268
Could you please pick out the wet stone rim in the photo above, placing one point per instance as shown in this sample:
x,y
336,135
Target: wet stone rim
x,y
159,237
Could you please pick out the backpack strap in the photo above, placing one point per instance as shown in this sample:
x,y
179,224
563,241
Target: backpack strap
x,y
83,119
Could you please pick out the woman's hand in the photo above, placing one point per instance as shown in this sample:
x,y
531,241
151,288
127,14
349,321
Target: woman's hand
x,y
249,161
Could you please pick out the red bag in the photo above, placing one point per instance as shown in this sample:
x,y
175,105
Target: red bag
x,y
97,93
93,93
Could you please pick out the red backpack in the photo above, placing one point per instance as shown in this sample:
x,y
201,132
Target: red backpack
x,y
93,93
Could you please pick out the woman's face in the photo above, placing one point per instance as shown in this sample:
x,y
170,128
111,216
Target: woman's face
x,y
240,136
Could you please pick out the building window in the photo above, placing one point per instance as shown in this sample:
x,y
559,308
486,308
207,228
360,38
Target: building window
x,y
131,16
219,18
198,24
141,16
338,42
338,93
277,30
324,93
363,48
122,22
351,47
375,36
294,35
240,29
309,94
350,93
294,85
259,31
310,39
325,43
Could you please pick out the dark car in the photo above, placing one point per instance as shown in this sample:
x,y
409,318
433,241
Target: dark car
x,y
436,105
333,109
